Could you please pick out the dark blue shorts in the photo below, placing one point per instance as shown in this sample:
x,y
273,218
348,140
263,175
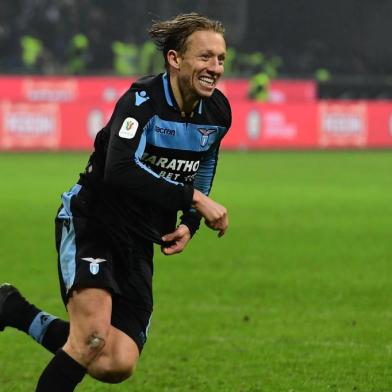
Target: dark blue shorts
x,y
91,255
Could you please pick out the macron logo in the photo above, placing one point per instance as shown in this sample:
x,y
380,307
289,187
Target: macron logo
x,y
141,97
165,131
43,319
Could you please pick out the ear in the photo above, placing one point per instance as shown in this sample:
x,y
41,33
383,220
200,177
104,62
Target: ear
x,y
174,59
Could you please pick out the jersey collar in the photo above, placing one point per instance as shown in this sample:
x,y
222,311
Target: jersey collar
x,y
170,96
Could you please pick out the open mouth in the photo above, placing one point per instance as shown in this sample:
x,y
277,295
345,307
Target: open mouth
x,y
207,81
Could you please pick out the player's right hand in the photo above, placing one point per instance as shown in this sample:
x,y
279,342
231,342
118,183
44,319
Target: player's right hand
x,y
215,215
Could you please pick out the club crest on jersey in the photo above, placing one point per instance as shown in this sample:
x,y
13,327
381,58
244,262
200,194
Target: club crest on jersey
x,y
128,128
94,264
205,135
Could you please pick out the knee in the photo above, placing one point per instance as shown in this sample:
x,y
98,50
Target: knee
x,y
117,361
88,345
113,371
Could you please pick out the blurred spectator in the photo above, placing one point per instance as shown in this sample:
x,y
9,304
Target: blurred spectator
x,y
78,54
344,37
125,58
258,88
31,51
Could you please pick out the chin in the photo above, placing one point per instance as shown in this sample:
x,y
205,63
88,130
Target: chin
x,y
205,93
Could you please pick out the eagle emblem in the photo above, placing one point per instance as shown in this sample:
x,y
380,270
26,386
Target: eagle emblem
x,y
94,264
205,134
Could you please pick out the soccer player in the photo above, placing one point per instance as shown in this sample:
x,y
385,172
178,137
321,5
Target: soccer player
x,y
156,156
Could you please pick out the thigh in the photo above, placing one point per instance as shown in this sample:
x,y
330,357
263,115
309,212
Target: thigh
x,y
88,306
89,313
116,354
132,308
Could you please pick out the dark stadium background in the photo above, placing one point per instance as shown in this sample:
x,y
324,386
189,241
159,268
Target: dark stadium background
x,y
348,37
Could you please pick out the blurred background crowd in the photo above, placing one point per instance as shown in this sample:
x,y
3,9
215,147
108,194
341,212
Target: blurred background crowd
x,y
294,39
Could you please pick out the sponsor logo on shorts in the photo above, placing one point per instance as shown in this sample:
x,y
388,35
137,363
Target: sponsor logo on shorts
x,y
94,264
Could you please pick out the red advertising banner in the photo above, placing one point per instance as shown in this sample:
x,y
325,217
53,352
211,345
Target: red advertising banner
x,y
380,124
286,91
272,126
343,124
65,113
109,89
46,90
63,89
236,89
82,123
29,126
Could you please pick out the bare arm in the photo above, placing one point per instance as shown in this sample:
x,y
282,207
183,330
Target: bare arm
x,y
215,215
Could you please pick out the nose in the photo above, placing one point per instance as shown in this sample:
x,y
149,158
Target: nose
x,y
215,66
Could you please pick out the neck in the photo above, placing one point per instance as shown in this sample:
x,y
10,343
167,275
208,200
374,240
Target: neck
x,y
186,102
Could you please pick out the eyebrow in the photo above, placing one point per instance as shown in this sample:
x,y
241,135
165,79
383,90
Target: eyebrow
x,y
210,52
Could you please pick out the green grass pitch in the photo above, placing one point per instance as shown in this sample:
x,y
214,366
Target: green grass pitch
x,y
297,297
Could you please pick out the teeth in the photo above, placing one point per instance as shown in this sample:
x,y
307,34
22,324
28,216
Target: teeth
x,y
207,81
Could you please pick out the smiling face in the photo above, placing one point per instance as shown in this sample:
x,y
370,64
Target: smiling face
x,y
197,70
